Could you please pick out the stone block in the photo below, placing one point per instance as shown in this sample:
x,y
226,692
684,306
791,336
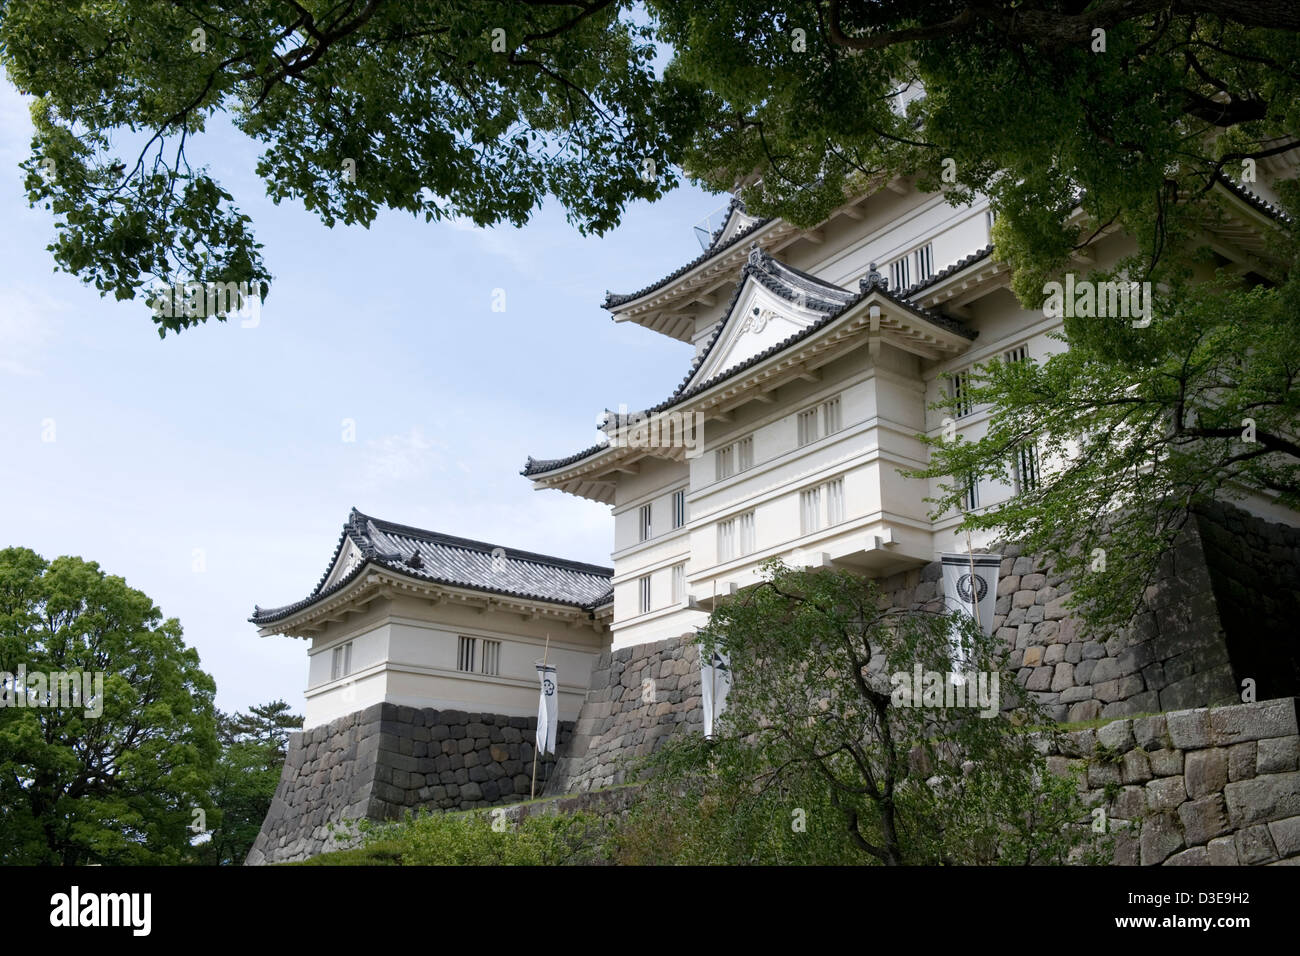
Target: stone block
x,y
1161,838
1286,836
1269,718
1166,793
1204,819
1273,796
1205,771
1166,763
1189,729
1254,845
1278,754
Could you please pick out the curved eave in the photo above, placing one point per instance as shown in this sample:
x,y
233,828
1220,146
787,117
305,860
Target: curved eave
x,y
874,317
372,579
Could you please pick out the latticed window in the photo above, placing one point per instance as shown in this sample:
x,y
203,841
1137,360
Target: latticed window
x,y
807,426
924,262
467,654
959,388
1026,467
341,661
491,658
726,462
831,418
645,523
679,583
900,276
835,501
745,533
679,508
809,510
644,597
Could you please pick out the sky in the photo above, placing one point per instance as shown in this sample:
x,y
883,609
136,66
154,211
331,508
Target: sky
x,y
210,470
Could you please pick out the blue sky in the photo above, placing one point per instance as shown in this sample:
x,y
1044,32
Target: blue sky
x,y
229,441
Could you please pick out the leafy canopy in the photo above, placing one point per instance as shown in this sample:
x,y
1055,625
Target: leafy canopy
x,y
120,786
818,760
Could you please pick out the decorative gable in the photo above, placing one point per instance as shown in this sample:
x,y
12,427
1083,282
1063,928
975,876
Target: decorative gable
x,y
773,302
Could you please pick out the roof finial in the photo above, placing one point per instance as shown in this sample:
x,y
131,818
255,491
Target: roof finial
x,y
872,280
755,254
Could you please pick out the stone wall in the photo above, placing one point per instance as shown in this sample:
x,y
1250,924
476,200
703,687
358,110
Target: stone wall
x,y
1185,649
1211,786
624,717
379,762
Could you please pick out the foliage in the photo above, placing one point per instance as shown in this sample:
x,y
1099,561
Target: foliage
x,y
253,746
120,786
474,838
818,760
1138,427
461,108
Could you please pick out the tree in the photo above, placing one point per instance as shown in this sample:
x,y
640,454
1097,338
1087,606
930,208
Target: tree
x,y
113,772
1203,404
822,758
460,108
253,747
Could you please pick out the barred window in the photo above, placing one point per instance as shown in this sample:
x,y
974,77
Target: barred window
x,y
679,583
491,658
831,418
835,501
970,499
924,262
807,427
466,656
1026,468
341,662
746,533
899,275
644,597
645,523
959,388
809,510
679,508
726,466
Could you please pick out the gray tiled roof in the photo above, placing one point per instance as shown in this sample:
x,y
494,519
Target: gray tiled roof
x,y
458,562
613,300
789,283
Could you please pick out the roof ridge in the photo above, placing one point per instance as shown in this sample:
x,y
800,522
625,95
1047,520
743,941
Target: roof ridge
x,y
484,547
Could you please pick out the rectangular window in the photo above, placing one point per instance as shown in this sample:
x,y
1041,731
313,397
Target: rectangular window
x,y
807,427
990,217
492,658
959,386
835,501
1018,354
679,508
745,533
745,454
645,523
899,275
341,663
643,585
465,659
679,583
831,416
1026,468
924,262
970,498
725,462
810,510
726,539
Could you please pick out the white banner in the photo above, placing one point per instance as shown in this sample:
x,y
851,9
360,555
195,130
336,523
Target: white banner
x,y
970,585
715,684
547,709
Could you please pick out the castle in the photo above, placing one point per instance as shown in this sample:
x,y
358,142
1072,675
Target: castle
x,y
818,352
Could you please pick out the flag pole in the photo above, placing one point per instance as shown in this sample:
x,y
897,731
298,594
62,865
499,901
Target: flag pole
x,y
546,653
